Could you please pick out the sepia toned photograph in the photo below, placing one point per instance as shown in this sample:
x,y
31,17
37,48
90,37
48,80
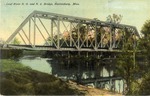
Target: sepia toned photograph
x,y
75,47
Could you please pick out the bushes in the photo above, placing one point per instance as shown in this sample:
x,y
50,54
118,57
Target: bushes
x,y
11,53
21,82
8,65
8,87
144,88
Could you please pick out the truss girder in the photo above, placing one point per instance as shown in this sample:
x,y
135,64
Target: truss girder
x,y
67,32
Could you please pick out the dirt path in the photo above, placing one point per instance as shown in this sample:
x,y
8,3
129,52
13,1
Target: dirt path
x,y
92,91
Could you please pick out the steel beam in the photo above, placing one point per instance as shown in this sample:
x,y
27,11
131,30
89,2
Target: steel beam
x,y
34,36
29,31
80,42
52,36
95,37
58,33
18,29
71,34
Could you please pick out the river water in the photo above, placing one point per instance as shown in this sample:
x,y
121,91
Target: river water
x,y
47,65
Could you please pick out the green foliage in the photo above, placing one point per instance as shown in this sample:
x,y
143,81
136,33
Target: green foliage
x,y
114,18
16,41
145,85
8,87
1,41
8,65
146,29
11,53
144,46
126,66
135,87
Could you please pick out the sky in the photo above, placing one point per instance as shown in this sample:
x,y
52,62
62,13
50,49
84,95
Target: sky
x,y
134,12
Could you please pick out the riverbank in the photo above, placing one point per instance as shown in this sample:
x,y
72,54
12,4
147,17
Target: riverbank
x,y
17,79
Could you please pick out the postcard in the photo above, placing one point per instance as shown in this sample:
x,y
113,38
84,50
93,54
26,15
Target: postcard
x,y
74,47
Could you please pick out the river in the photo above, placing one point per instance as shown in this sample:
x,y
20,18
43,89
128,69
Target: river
x,y
65,71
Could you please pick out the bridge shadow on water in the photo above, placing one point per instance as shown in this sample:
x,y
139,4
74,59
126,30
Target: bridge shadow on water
x,y
84,66
94,69
69,69
98,72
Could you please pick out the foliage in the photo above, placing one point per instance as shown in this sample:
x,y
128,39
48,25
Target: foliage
x,y
1,41
8,65
144,46
114,18
144,88
16,41
11,53
126,66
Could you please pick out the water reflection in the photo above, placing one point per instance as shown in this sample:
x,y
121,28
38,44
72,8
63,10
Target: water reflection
x,y
75,69
37,63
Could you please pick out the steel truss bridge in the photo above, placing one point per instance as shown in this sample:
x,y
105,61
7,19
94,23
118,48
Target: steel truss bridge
x,y
57,32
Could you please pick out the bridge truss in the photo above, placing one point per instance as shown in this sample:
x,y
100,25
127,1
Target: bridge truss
x,y
57,32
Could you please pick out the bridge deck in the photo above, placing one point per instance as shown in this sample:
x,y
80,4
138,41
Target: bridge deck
x,y
51,48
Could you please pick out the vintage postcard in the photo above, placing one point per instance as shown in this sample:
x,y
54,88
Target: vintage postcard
x,y
74,47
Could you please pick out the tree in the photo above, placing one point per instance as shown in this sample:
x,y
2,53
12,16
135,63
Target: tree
x,y
1,41
144,46
126,66
16,41
114,18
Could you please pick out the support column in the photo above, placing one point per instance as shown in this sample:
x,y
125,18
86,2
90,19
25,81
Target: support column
x,y
95,37
87,45
29,31
34,36
51,38
78,71
78,35
124,39
58,33
101,42
113,38
87,62
68,60
110,42
79,62
70,34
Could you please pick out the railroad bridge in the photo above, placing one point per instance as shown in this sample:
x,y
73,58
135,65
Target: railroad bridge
x,y
57,32
73,40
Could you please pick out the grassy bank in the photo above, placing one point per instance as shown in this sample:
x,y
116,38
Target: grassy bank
x,y
8,65
17,79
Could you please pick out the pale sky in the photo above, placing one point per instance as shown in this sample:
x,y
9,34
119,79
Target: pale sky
x,y
134,12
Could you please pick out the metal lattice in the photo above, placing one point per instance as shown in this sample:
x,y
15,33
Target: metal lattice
x,y
50,31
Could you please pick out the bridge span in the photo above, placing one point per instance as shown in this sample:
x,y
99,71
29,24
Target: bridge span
x,y
74,41
57,32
